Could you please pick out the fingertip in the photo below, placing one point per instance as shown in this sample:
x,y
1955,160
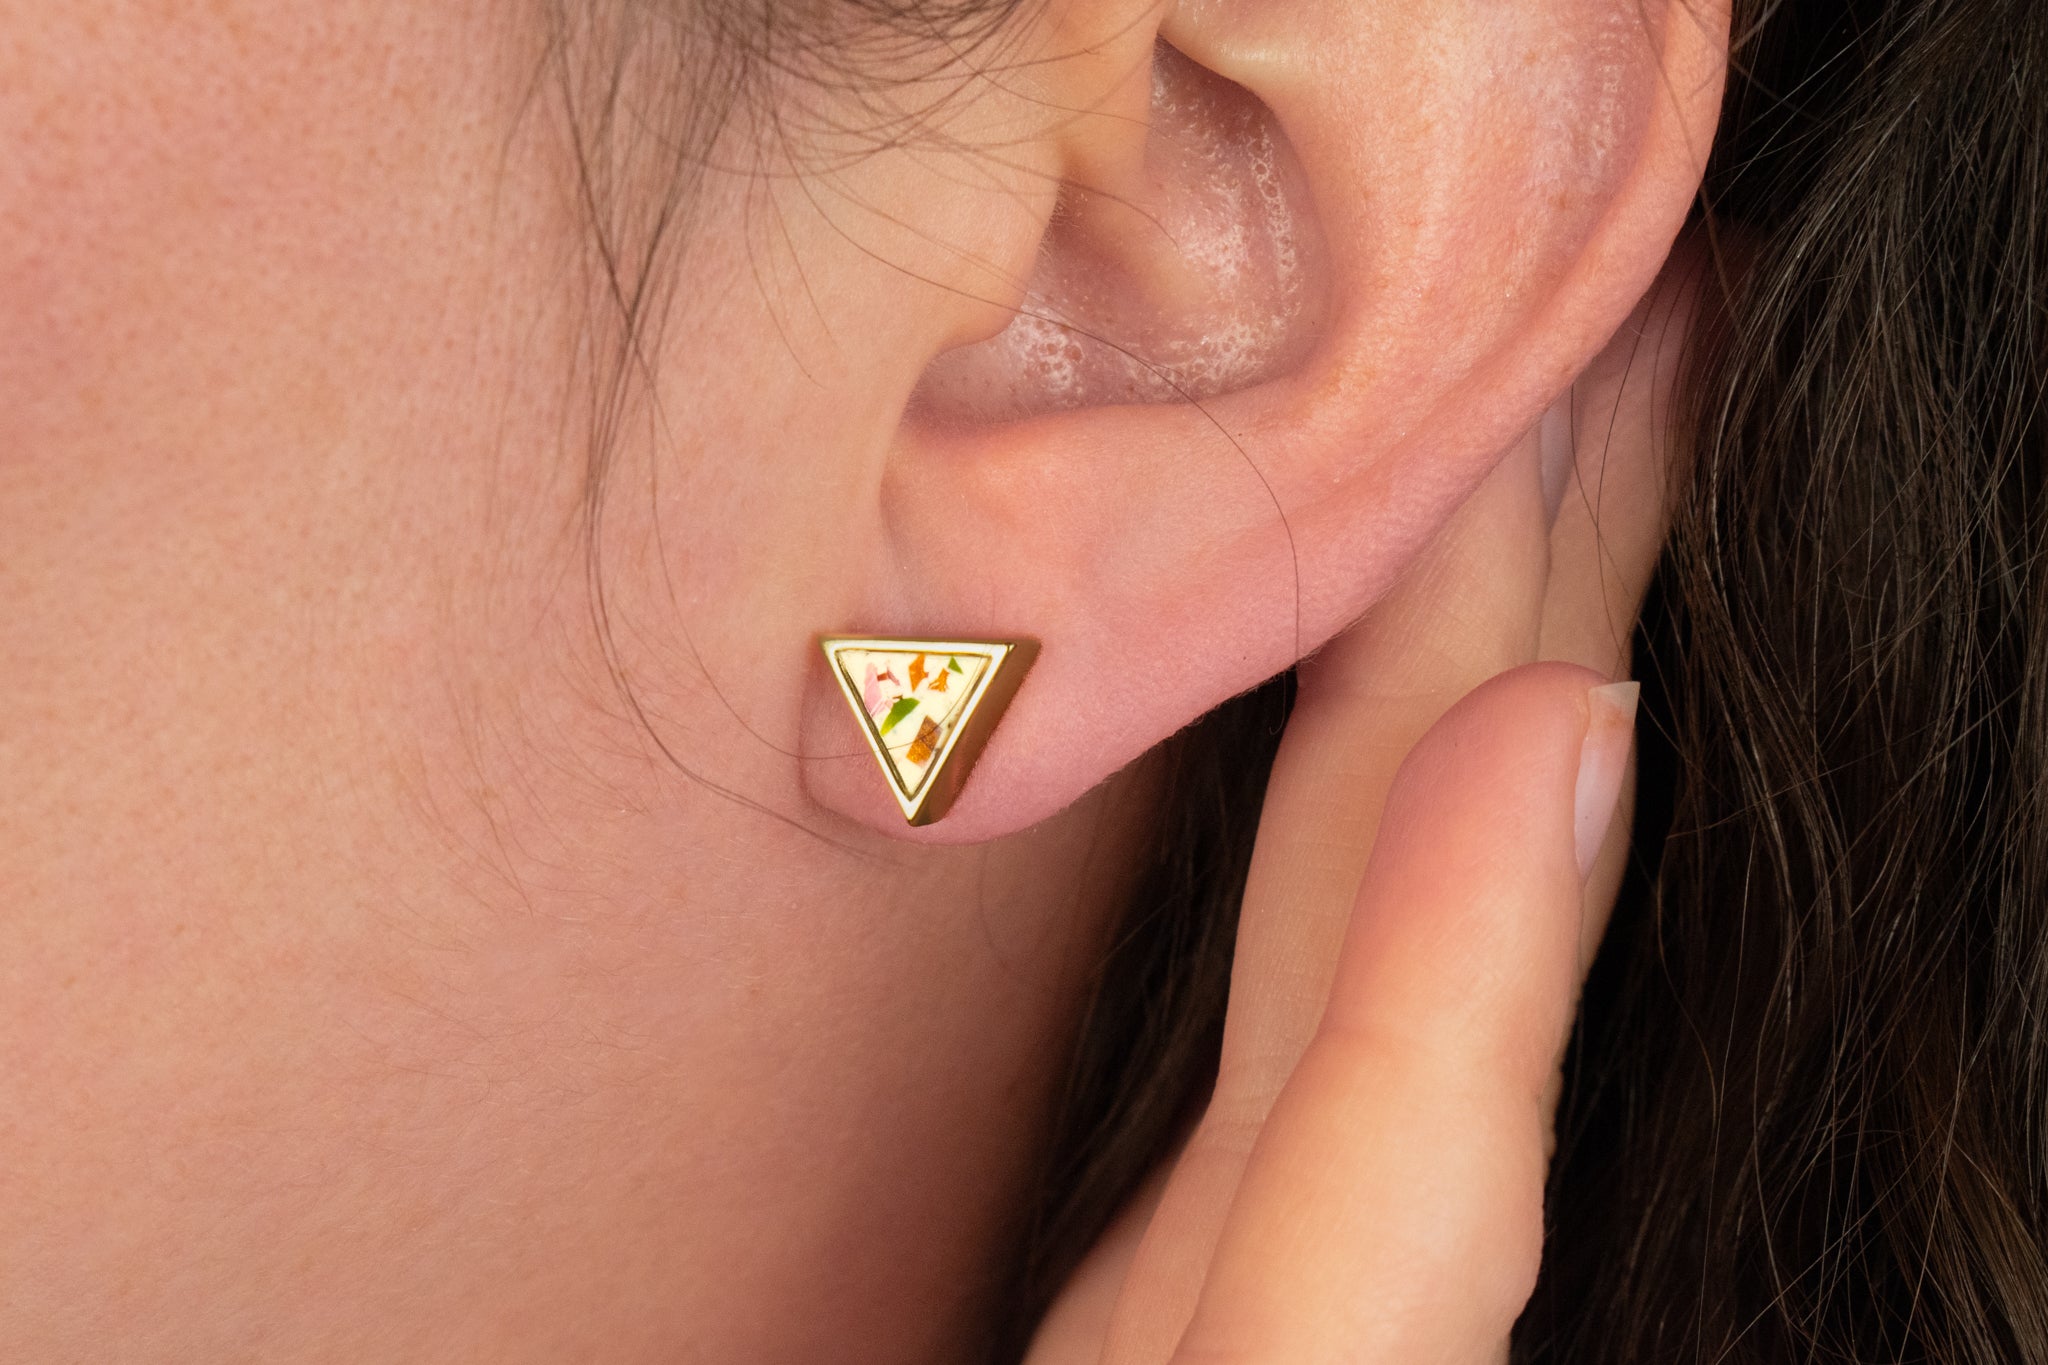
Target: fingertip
x,y
1536,715
1466,934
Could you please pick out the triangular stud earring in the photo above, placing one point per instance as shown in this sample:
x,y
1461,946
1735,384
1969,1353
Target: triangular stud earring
x,y
926,707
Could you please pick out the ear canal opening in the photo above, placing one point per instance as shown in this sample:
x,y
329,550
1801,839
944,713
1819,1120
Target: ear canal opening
x,y
1205,274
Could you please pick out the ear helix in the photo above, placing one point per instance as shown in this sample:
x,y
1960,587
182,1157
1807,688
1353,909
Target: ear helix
x,y
1203,275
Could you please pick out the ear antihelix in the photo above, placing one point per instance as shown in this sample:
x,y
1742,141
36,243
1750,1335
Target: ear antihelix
x,y
1202,274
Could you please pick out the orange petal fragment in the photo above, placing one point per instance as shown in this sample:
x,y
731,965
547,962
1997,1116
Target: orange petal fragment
x,y
927,741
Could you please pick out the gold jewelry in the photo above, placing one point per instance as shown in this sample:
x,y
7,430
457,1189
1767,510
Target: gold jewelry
x,y
926,707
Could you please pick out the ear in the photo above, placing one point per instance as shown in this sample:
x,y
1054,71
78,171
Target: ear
x,y
1312,267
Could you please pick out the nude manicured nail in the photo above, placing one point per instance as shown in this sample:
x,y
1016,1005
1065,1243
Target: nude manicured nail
x,y
1603,759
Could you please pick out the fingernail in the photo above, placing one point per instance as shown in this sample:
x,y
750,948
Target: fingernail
x,y
1603,759
1554,442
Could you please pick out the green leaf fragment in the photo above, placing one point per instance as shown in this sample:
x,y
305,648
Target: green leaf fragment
x,y
953,666
903,707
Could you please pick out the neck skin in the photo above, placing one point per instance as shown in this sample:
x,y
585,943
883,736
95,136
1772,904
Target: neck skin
x,y
373,984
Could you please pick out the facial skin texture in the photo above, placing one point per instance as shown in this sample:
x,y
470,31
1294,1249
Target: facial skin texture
x,y
375,981
370,986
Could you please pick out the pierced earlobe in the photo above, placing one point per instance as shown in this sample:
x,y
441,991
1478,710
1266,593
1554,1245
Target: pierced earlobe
x,y
927,708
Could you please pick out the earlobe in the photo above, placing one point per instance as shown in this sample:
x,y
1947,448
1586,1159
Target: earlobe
x,y
1477,197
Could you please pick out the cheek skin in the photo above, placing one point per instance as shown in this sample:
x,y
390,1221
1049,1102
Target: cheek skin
x,y
184,188
367,987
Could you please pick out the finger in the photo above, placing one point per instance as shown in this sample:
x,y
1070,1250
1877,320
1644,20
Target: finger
x,y
1392,1208
1614,509
1469,609
1614,513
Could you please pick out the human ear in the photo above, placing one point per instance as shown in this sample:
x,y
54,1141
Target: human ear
x,y
1218,423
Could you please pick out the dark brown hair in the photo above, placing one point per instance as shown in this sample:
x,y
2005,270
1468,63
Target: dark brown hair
x,y
1808,1110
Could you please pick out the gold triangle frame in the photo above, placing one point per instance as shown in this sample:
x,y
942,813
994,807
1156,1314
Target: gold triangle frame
x,y
968,723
